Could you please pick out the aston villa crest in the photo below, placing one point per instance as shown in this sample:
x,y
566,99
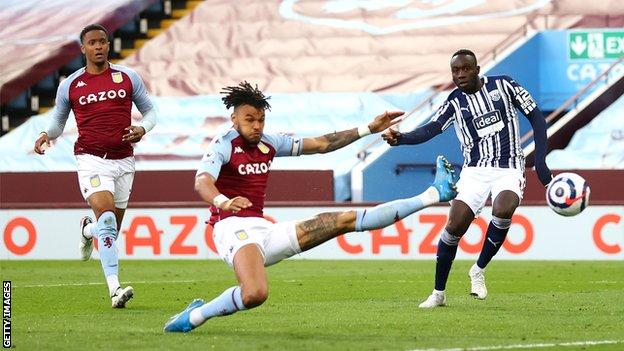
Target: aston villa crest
x,y
263,148
117,77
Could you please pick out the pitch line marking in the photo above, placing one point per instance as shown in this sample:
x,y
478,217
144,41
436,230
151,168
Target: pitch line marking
x,y
527,346
103,283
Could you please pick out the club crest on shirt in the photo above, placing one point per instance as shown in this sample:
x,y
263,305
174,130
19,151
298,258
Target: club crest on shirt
x,y
95,181
495,95
117,77
241,235
263,148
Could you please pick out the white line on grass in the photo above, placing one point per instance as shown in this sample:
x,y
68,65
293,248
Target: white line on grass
x,y
102,283
527,346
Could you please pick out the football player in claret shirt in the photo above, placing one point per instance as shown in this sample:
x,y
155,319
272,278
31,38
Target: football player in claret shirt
x,y
483,110
232,178
101,96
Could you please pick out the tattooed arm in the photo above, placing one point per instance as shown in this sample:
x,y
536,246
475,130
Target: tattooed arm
x,y
337,140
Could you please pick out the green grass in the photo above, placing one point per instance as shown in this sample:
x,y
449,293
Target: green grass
x,y
333,305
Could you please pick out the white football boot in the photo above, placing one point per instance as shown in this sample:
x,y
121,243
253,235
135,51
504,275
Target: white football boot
x,y
437,298
477,282
121,296
86,244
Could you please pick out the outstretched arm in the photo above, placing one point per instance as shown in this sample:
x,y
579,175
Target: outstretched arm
x,y
417,136
337,140
538,122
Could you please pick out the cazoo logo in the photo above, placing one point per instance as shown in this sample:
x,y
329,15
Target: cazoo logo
x,y
102,96
254,168
403,14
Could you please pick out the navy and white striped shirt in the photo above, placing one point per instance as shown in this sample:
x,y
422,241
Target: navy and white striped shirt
x,y
486,122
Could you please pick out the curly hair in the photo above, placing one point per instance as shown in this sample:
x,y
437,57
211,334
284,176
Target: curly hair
x,y
245,94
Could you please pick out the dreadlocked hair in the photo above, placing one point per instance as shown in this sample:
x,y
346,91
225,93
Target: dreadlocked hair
x,y
245,94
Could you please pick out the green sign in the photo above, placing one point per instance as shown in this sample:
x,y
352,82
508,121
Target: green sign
x,y
595,45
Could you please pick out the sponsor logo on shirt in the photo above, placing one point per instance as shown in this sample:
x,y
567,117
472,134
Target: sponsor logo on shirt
x,y
238,150
102,96
488,123
81,84
254,168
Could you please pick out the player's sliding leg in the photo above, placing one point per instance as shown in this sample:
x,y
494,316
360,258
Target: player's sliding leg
x,y
326,226
460,217
107,231
251,292
502,210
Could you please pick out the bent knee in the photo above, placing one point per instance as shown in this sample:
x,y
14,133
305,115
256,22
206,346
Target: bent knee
x,y
505,212
456,228
255,297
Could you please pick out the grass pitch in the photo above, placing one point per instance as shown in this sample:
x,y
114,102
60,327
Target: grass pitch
x,y
322,305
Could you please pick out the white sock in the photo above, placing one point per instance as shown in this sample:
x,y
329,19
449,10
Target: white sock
x,y
438,292
88,230
113,284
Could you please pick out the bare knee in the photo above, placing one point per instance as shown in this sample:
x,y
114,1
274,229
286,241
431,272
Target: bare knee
x,y
254,296
457,227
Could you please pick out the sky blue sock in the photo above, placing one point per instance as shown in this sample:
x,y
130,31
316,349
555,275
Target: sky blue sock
x,y
230,301
383,215
107,234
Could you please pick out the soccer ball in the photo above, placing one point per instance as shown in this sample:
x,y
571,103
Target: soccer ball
x,y
568,194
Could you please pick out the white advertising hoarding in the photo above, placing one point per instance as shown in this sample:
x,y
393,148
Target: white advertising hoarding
x,y
180,233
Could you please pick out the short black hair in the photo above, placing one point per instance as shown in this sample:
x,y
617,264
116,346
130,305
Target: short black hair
x,y
465,52
91,27
245,94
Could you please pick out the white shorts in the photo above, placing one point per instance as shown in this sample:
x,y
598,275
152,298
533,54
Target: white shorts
x,y
476,184
99,174
276,241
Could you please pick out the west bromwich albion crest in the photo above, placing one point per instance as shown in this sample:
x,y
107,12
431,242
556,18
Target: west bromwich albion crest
x,y
263,148
117,77
495,95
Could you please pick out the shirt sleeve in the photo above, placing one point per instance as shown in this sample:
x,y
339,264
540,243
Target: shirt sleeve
x,y
216,156
520,96
445,115
285,145
61,110
140,97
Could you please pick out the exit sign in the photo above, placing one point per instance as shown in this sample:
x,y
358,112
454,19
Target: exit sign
x,y
595,45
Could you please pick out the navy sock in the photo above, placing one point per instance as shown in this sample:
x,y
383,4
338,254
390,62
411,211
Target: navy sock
x,y
447,249
496,233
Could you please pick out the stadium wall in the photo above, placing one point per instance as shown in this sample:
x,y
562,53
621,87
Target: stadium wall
x,y
153,188
180,233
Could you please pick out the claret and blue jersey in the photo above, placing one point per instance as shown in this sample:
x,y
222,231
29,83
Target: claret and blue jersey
x,y
486,122
242,169
102,105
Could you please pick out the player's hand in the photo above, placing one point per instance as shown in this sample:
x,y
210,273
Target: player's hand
x,y
236,204
42,143
543,172
385,121
134,134
391,136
